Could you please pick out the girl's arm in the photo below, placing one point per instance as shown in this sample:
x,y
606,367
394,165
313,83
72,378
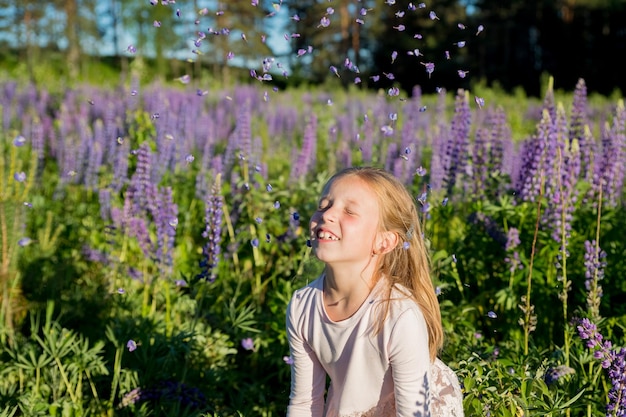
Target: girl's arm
x,y
410,362
308,378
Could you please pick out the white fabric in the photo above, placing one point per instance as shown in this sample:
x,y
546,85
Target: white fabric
x,y
380,375
446,397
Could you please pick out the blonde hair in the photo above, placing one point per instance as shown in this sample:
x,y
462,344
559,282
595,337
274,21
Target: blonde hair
x,y
408,263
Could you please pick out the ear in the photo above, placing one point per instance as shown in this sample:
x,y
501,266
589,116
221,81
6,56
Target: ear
x,y
386,242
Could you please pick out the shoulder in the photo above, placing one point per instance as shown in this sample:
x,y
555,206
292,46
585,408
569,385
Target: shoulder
x,y
306,295
406,328
303,308
402,305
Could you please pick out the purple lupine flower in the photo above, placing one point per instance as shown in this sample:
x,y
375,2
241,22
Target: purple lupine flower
x,y
95,157
131,397
165,216
138,229
247,343
437,171
512,239
554,374
456,156
392,153
104,197
549,103
94,255
561,171
490,226
168,390
610,171
306,158
239,144
594,273
367,143
613,360
578,120
500,132
479,171
120,164
512,242
617,394
212,232
166,144
345,155
487,153
533,153
141,180
135,274
40,130
588,330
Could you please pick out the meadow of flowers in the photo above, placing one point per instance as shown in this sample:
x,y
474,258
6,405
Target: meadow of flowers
x,y
151,237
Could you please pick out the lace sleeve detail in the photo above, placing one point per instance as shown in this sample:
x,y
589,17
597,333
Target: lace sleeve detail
x,y
446,398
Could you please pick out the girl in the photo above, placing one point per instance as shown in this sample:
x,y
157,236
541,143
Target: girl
x,y
371,321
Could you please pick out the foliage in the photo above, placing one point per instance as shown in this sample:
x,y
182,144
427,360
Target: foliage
x,y
165,231
510,45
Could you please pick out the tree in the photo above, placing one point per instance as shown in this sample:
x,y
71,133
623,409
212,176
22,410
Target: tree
x,y
151,26
424,46
566,39
71,34
236,34
24,22
337,34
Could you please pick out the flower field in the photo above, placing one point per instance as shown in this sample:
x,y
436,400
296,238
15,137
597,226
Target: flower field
x,y
151,237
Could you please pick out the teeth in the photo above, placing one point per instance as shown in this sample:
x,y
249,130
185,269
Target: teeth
x,y
326,235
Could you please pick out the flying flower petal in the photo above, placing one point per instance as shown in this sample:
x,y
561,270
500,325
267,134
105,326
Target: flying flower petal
x,y
131,345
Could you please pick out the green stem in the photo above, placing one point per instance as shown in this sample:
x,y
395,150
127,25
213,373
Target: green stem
x,y
527,304
4,264
168,309
146,295
94,390
117,366
66,380
563,249
595,308
305,257
37,380
231,235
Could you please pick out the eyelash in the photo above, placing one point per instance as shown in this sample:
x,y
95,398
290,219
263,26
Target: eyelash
x,y
323,205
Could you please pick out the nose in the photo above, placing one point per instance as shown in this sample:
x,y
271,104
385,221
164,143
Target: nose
x,y
329,214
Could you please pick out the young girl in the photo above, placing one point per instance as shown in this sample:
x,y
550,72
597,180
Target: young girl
x,y
371,322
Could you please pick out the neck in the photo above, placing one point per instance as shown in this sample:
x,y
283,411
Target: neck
x,y
348,282
345,291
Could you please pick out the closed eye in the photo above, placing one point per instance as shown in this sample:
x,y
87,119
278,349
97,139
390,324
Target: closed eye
x,y
323,205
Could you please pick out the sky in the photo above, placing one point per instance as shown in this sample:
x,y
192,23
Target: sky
x,y
275,38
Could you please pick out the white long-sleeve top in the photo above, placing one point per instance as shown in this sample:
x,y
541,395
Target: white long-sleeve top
x,y
371,375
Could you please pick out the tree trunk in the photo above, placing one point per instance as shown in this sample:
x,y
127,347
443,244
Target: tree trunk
x,y
73,44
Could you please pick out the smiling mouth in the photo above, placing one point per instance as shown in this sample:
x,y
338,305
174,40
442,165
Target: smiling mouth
x,y
322,235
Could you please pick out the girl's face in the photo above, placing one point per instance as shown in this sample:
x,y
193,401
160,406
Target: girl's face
x,y
344,227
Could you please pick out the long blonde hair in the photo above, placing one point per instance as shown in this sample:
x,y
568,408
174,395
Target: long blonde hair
x,y
408,263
